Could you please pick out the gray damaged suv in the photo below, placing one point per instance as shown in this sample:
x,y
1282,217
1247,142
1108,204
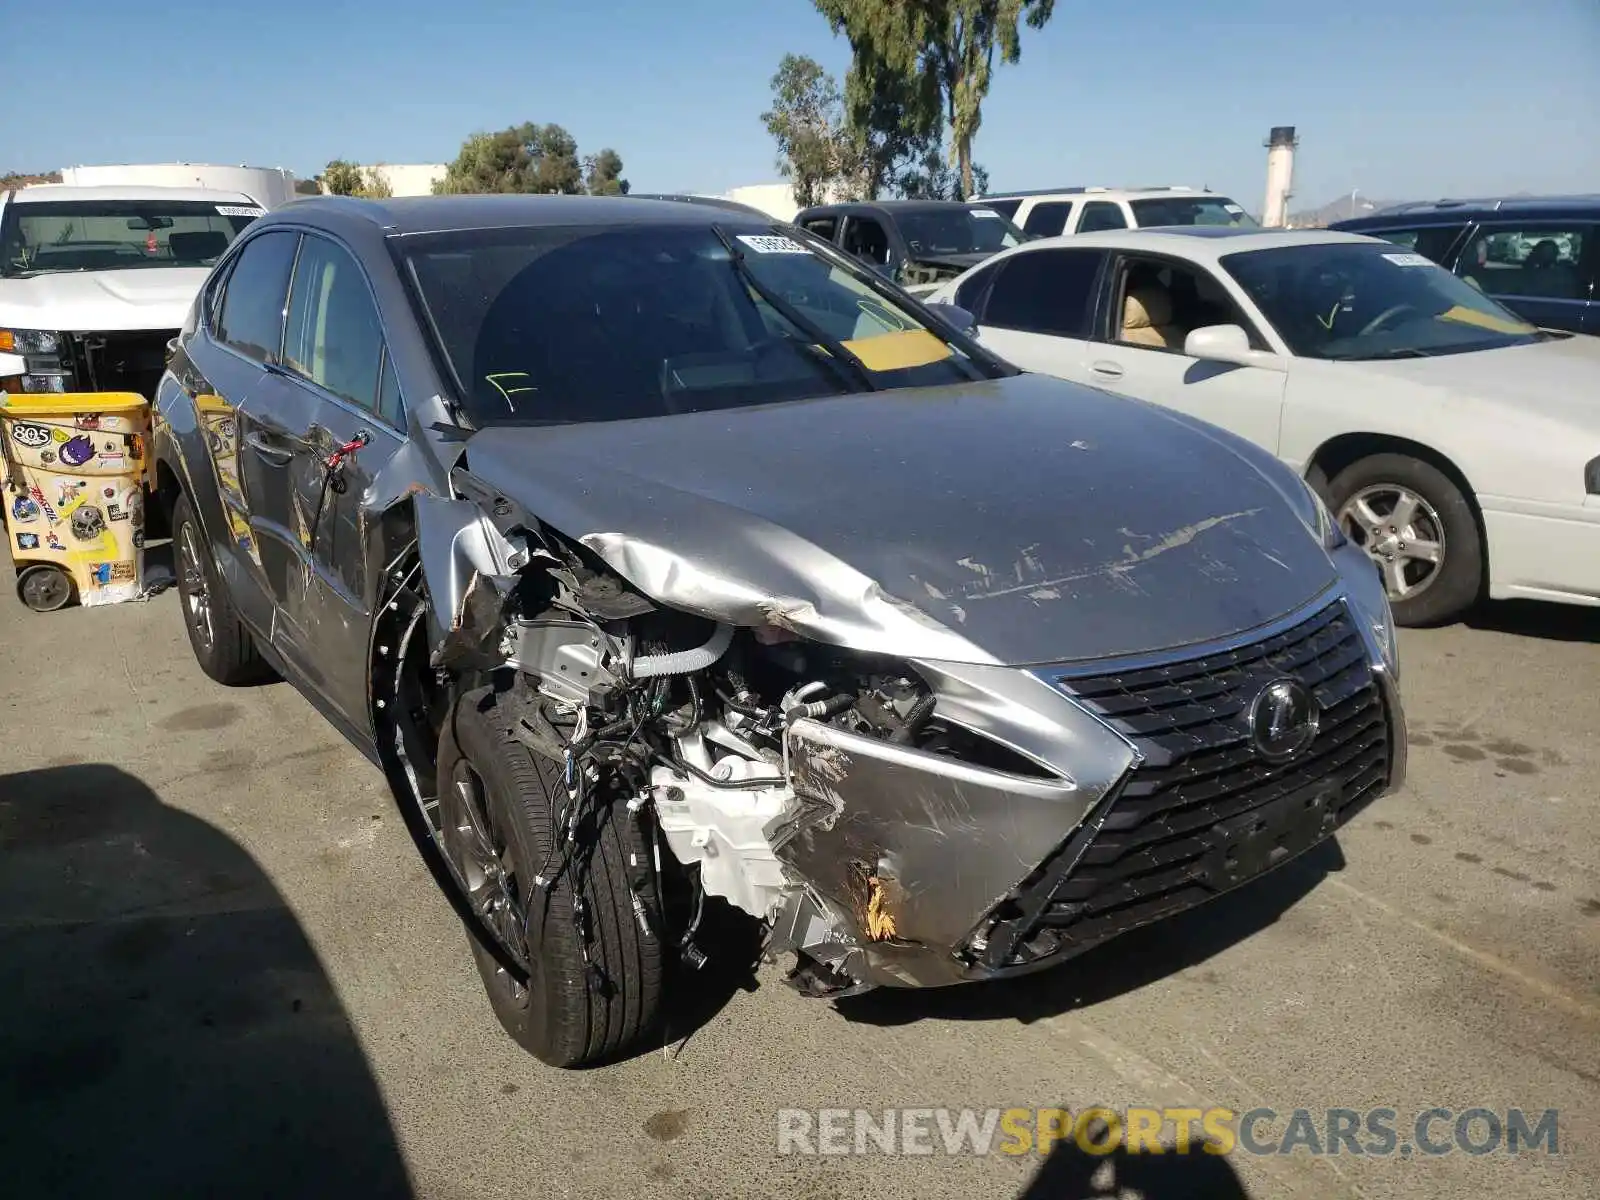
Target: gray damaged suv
x,y
656,553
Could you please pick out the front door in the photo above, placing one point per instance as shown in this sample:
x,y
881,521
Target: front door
x,y
341,412
1155,304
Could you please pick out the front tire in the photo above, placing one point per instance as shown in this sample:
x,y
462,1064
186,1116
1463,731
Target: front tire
x,y
1416,525
222,645
593,992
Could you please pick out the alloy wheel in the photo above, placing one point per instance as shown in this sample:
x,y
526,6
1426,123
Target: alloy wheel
x,y
484,861
1401,532
195,592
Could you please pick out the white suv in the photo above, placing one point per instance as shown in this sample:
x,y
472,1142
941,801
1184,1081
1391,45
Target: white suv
x,y
94,281
1054,212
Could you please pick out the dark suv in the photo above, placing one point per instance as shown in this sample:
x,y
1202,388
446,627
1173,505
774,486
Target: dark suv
x,y
1537,256
913,241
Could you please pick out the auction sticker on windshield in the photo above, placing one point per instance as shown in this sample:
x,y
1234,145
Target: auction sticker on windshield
x,y
985,212
1409,260
771,243
240,210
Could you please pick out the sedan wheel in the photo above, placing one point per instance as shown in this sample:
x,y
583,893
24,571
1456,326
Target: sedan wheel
x,y
1420,530
1401,532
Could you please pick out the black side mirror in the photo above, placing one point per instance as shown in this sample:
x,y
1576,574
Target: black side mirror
x,y
954,314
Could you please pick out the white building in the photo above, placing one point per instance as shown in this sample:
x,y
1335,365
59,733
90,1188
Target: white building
x,y
268,186
409,179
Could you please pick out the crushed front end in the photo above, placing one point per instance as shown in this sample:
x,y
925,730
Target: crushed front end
x,y
908,821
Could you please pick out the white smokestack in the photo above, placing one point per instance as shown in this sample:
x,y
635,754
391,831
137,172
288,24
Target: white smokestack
x,y
1280,145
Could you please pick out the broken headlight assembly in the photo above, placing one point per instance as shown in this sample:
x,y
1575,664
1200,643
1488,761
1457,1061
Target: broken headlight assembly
x,y
31,361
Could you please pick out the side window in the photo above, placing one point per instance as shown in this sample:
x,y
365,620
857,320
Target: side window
x,y
1431,241
334,338
1536,262
823,227
1006,208
1159,304
391,405
1045,291
215,287
1101,214
1047,219
252,306
866,239
970,294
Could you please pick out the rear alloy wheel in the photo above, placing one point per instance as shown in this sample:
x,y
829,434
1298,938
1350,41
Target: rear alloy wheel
x,y
44,587
222,645
1417,527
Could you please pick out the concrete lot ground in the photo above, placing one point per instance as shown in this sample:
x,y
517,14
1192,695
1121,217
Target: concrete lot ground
x,y
224,972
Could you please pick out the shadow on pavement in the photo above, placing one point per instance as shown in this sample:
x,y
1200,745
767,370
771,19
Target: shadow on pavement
x,y
1071,1173
1536,618
166,1029
1124,964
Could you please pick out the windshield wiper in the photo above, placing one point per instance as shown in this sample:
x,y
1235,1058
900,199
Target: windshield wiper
x,y
837,350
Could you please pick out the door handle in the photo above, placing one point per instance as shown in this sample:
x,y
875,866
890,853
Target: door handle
x,y
267,450
1109,370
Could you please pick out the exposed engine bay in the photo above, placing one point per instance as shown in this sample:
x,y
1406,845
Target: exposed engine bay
x,y
741,747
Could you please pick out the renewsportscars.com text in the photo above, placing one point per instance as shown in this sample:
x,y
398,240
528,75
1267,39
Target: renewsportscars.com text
x,y
1374,1132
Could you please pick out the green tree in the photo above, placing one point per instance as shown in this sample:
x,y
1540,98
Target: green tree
x,y
524,158
815,148
602,174
343,178
936,55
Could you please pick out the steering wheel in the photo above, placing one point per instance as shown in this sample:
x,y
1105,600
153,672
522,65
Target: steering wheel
x,y
1378,322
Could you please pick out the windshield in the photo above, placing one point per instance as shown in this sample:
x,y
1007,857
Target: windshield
x,y
567,324
975,230
1190,210
1354,301
39,237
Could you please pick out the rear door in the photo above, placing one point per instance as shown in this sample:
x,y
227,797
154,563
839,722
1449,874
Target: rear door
x,y
1048,218
1099,215
1542,270
249,456
342,406
1037,307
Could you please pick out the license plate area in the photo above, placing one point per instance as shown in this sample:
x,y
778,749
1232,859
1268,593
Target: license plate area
x,y
1269,835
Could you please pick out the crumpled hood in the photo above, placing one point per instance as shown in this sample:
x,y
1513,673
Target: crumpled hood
x,y
1023,520
101,301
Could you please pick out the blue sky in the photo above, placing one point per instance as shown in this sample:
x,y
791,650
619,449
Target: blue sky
x,y
1399,98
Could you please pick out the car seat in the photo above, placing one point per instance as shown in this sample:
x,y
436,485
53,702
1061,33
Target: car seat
x,y
1147,319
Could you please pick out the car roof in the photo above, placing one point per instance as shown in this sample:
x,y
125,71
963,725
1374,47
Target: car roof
x,y
1202,243
58,193
891,206
437,214
1104,193
1443,212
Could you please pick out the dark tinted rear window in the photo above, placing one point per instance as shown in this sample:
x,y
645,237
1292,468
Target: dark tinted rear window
x,y
252,307
1045,291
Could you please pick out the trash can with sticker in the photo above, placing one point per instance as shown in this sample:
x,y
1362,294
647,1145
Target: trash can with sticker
x,y
75,471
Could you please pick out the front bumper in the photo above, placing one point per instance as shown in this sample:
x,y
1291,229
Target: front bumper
x,y
923,870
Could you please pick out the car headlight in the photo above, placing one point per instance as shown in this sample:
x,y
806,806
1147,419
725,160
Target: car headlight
x,y
30,361
1323,524
29,341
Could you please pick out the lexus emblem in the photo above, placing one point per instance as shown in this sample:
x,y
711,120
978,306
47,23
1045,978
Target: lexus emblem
x,y
1283,720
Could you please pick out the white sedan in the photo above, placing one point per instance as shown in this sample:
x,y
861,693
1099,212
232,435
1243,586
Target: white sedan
x,y
1457,444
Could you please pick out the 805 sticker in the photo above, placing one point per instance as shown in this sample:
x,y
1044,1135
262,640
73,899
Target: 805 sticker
x,y
31,436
